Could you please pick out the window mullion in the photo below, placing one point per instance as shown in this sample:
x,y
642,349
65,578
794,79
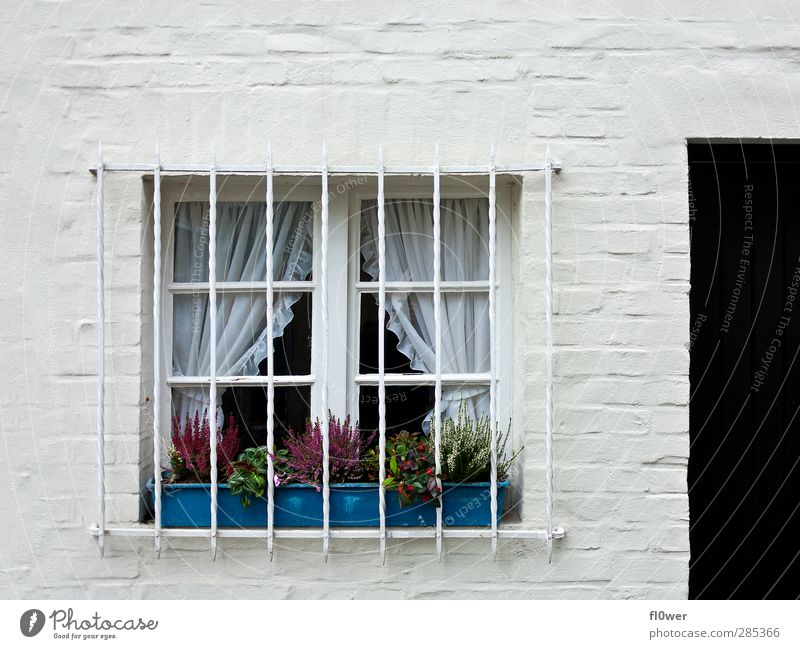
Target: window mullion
x,y
477,286
242,287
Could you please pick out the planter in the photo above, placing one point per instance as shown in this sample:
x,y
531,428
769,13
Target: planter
x,y
189,505
351,505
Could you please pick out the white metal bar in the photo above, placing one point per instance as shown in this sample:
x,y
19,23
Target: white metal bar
x,y
101,352
157,350
483,378
381,356
326,490
340,533
338,170
477,286
270,363
548,216
247,381
212,307
437,315
493,345
241,287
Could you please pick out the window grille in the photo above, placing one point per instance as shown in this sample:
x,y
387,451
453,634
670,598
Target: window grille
x,y
268,171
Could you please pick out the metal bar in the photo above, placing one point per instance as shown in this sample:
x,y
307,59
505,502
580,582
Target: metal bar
x,y
548,228
199,381
338,533
157,350
339,170
493,345
425,379
477,286
270,362
437,316
326,489
212,307
381,356
241,287
101,353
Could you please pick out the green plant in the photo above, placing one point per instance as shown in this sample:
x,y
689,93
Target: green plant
x,y
249,476
466,448
301,460
410,468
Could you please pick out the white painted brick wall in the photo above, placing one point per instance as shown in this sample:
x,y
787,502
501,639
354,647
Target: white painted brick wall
x,y
615,87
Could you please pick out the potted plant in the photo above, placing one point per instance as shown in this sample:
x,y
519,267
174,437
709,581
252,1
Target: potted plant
x,y
354,490
466,459
466,453
186,486
298,476
412,492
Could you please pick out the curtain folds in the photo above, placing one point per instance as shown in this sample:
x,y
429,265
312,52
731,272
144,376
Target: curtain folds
x,y
241,317
465,315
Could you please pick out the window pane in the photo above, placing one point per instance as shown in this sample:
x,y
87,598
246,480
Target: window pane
x,y
406,407
241,334
409,239
241,232
410,333
395,361
248,406
411,407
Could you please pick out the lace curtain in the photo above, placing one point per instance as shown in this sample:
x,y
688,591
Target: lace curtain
x,y
241,317
465,315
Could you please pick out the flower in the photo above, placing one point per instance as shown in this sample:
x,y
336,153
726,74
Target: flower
x,y
301,459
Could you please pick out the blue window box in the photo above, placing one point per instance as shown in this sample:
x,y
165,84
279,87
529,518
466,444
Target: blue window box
x,y
351,505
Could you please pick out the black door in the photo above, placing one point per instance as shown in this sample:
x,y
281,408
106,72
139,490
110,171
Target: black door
x,y
744,482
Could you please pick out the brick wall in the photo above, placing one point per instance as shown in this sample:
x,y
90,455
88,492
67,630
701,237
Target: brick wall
x,y
614,87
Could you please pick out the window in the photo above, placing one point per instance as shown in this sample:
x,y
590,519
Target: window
x,y
408,318
320,296
242,337
407,322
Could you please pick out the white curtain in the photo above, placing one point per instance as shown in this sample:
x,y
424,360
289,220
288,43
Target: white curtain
x,y
465,315
241,317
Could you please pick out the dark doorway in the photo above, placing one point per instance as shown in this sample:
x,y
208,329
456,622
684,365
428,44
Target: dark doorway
x,y
744,482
